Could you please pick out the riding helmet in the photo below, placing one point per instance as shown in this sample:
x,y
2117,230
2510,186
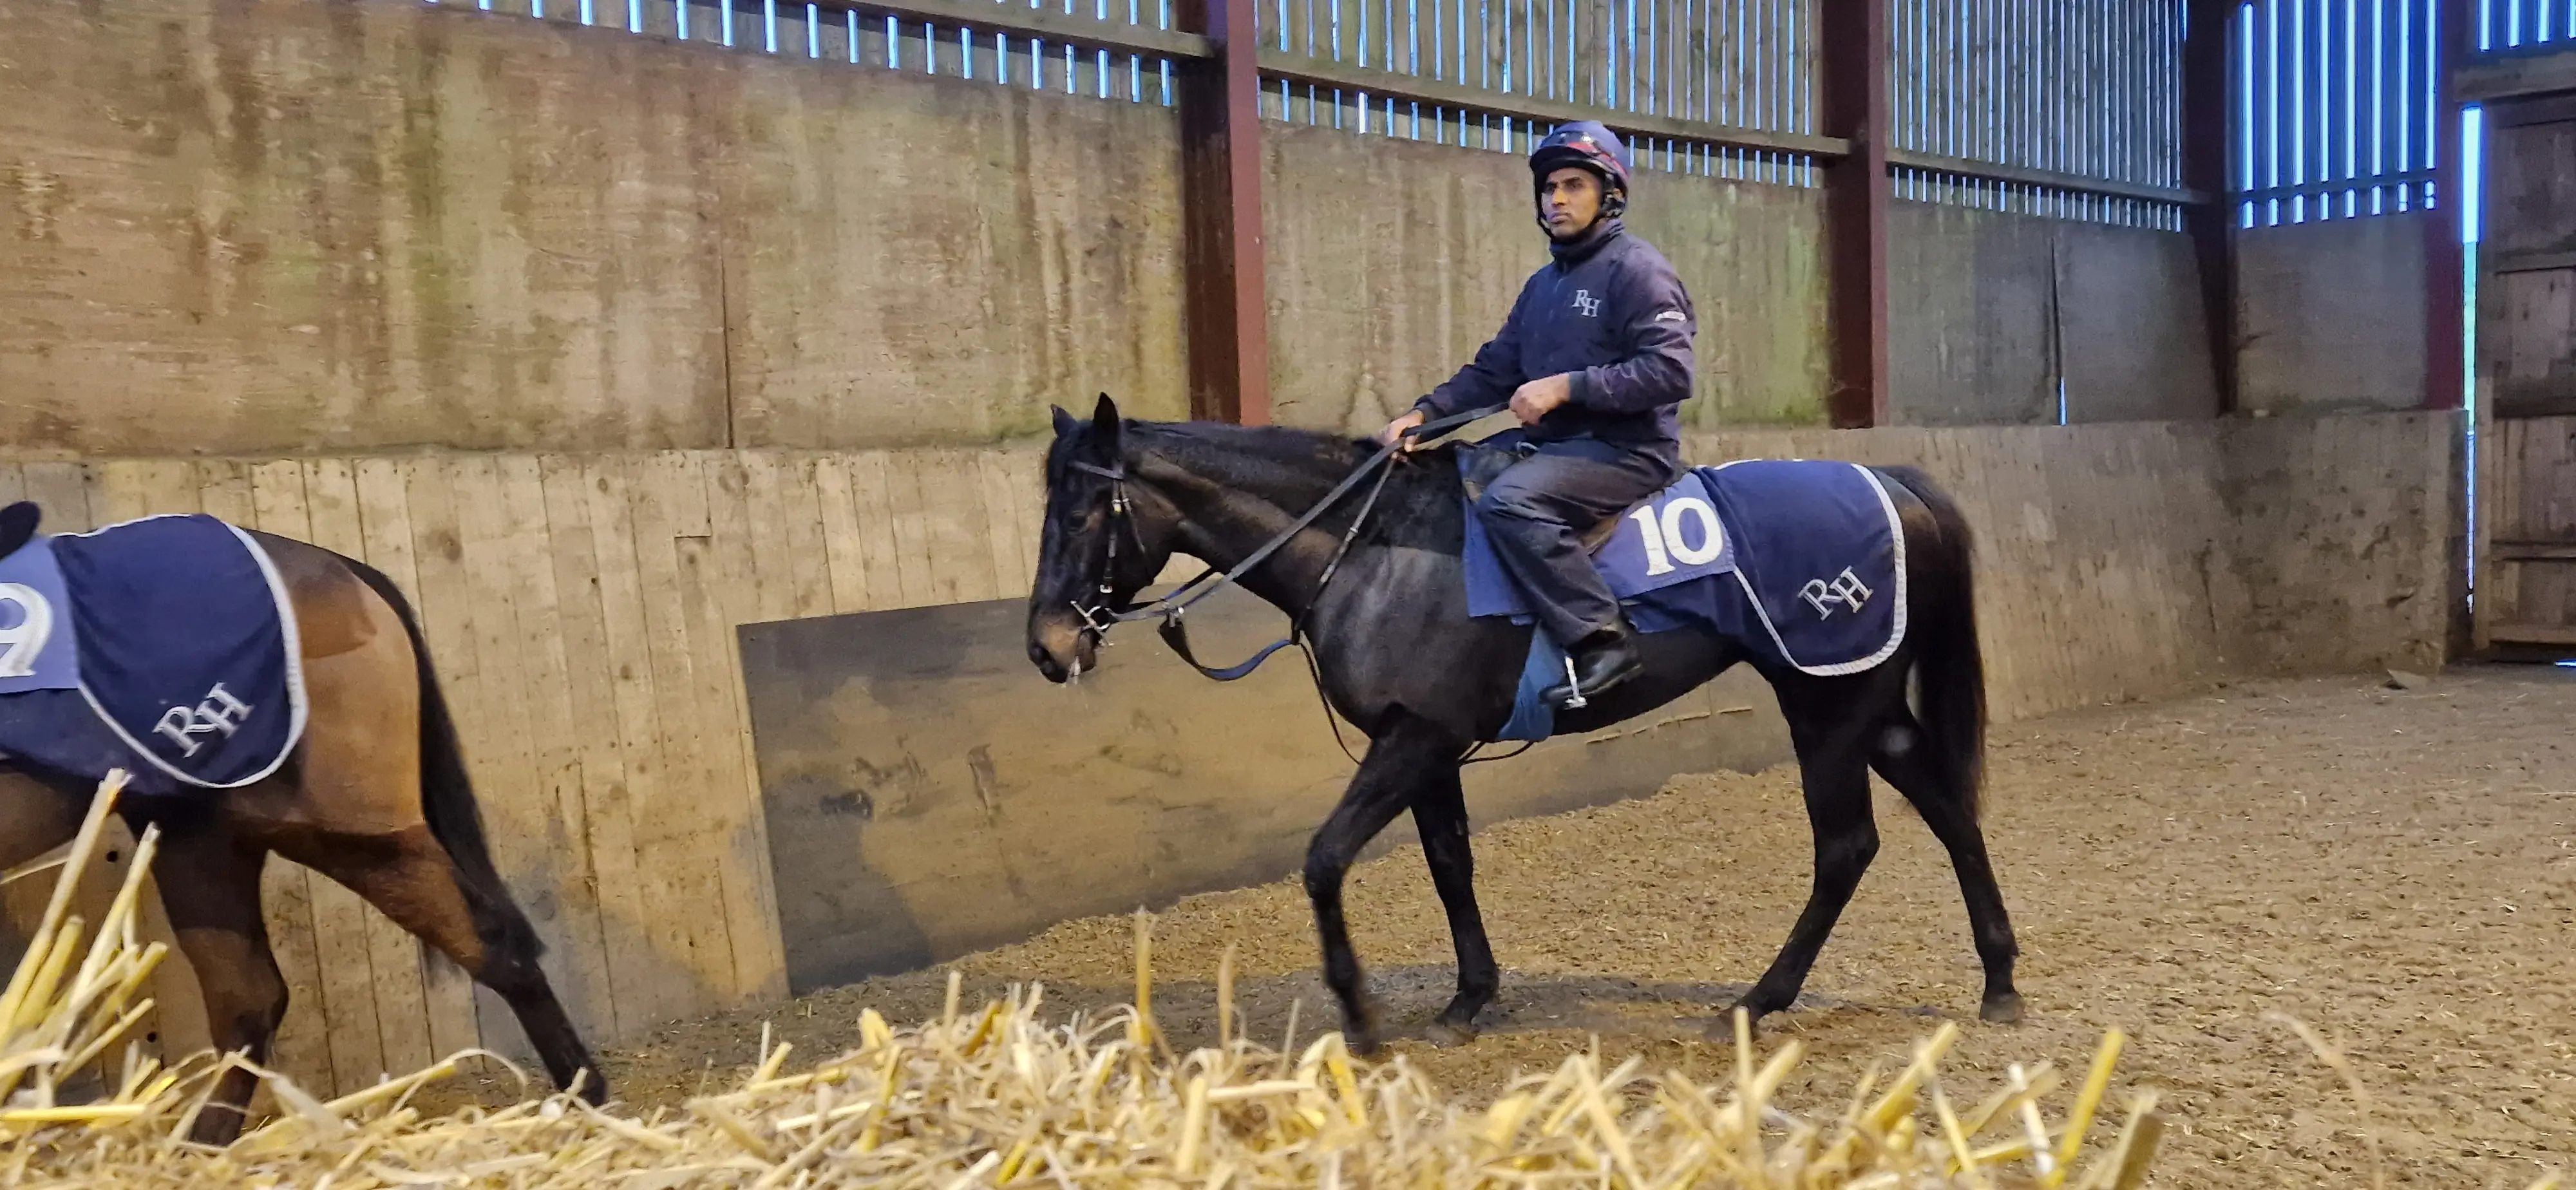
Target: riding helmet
x,y
1590,146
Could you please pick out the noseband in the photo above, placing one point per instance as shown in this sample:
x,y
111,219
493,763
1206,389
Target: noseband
x,y
1098,617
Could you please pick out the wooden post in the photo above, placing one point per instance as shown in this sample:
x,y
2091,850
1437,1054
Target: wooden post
x,y
1853,86
2445,291
2211,223
1229,333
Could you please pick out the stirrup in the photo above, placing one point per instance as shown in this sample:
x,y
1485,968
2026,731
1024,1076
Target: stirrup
x,y
1574,700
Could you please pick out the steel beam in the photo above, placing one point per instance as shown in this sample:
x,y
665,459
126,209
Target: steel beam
x,y
2446,291
1852,87
1227,313
2211,226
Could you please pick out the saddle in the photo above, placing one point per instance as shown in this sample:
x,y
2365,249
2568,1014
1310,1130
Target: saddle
x,y
1480,464
18,526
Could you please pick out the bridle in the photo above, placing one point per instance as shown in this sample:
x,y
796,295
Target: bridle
x,y
1098,616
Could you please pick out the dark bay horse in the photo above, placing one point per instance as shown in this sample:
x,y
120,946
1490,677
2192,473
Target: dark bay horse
x,y
375,796
1399,658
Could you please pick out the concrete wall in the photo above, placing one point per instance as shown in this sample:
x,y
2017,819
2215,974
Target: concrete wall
x,y
2350,540
2331,315
284,226
1983,300
266,226
932,261
1391,261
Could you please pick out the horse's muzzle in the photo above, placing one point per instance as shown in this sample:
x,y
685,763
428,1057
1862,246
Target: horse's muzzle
x,y
1061,645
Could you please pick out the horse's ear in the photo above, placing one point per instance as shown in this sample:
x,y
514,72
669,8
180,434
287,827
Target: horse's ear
x,y
1104,422
1064,422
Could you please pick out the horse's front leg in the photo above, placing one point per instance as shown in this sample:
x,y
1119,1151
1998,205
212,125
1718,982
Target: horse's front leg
x,y
1401,760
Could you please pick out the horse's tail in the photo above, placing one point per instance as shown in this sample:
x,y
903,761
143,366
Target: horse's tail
x,y
1949,666
447,792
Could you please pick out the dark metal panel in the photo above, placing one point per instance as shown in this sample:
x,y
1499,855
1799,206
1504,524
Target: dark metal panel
x,y
929,795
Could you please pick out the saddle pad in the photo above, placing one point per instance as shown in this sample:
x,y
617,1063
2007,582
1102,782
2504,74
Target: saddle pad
x,y
1533,717
176,634
1809,573
1674,538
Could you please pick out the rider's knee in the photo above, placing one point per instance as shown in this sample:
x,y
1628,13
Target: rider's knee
x,y
1506,500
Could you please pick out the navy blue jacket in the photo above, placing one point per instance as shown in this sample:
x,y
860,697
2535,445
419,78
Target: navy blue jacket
x,y
1609,310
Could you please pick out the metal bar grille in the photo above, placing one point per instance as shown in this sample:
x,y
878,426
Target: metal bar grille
x,y
1091,47
2090,89
1734,65
2038,106
2338,115
2513,24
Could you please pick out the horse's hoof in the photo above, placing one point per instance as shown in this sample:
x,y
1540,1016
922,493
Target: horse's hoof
x,y
1449,1034
2002,1008
1722,1030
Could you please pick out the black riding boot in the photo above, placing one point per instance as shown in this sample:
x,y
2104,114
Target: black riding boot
x,y
1602,660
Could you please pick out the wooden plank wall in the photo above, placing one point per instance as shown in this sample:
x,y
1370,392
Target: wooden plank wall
x,y
581,611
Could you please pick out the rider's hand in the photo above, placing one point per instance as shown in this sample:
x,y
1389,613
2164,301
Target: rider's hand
x,y
1542,396
1395,429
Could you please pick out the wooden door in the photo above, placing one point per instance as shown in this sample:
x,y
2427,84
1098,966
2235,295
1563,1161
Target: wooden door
x,y
2526,586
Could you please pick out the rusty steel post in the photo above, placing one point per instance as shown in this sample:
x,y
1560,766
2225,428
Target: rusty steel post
x,y
2211,223
2445,289
1226,300
1853,103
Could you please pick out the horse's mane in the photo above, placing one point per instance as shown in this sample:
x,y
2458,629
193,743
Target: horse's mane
x,y
1293,468
1301,451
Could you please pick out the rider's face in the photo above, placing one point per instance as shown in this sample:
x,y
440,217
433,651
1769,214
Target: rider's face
x,y
1569,201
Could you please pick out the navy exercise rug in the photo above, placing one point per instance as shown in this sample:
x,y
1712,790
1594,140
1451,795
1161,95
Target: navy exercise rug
x,y
164,646
1803,561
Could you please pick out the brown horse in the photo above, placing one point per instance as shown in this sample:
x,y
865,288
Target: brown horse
x,y
375,796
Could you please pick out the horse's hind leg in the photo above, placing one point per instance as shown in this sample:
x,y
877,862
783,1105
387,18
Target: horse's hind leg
x,y
214,909
360,817
1833,769
1904,756
410,877
1440,813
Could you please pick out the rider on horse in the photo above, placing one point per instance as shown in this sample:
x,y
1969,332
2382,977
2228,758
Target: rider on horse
x,y
1596,358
